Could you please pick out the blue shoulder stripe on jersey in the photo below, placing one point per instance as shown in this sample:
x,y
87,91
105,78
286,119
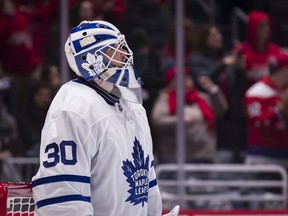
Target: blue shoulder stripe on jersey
x,y
152,163
61,199
109,98
61,178
152,183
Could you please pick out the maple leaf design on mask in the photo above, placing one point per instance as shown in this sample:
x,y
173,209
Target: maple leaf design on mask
x,y
94,64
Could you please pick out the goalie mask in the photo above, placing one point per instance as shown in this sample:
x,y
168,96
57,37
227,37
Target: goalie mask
x,y
97,51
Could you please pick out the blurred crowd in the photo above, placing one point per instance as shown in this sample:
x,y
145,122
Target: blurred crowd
x,y
235,95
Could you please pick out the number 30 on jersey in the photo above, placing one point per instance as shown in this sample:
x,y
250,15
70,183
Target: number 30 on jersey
x,y
64,153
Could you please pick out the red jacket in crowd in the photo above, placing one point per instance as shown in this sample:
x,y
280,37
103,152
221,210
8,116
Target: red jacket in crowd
x,y
256,60
267,125
17,51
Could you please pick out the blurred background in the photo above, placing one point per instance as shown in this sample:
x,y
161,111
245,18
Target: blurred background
x,y
228,46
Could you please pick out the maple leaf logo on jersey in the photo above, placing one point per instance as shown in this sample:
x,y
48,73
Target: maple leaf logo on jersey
x,y
94,65
137,175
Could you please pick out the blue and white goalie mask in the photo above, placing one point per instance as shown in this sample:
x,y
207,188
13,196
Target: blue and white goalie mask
x,y
97,50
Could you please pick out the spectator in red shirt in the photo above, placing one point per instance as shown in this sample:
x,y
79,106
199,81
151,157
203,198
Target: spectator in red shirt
x,y
18,52
267,114
258,47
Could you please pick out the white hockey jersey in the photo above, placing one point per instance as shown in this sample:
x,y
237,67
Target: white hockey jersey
x,y
96,157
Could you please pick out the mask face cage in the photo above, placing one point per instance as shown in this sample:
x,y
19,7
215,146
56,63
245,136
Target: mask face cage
x,y
121,48
92,63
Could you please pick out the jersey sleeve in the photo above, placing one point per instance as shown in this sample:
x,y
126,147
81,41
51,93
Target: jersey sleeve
x,y
62,184
154,197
